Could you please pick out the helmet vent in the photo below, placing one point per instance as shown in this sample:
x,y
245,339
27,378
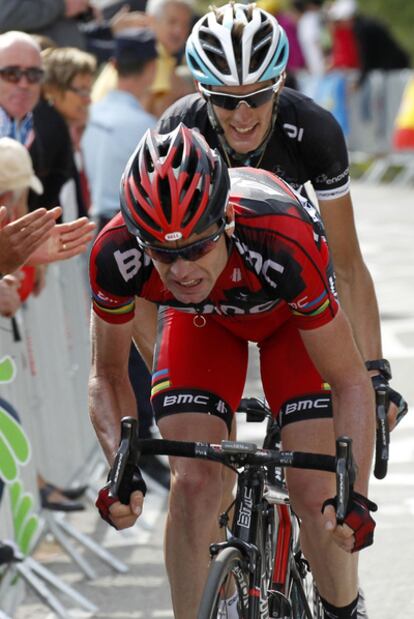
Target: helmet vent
x,y
165,197
148,161
260,47
214,50
178,156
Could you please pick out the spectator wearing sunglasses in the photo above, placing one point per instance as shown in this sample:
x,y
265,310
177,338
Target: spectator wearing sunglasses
x,y
243,109
25,117
69,74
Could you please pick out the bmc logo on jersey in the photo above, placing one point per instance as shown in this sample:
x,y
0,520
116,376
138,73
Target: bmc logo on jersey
x,y
130,261
266,268
299,304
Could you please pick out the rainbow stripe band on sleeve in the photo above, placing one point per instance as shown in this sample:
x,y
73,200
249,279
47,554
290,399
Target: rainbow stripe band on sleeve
x,y
318,310
116,311
160,381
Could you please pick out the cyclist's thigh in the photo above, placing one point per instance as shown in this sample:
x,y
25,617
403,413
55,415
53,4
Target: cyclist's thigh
x,y
197,369
293,386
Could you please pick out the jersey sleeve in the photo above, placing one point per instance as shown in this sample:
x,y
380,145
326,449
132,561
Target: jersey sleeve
x,y
325,148
314,302
115,271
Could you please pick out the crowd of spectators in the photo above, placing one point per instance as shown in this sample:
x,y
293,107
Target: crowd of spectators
x,y
61,161
79,86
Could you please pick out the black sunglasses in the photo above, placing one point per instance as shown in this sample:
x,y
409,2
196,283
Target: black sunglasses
x,y
13,75
231,102
192,252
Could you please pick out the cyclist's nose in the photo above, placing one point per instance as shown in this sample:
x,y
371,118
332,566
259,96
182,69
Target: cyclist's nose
x,y
24,82
181,268
243,111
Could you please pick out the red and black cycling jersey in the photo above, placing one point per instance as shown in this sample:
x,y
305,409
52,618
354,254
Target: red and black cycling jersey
x,y
278,262
307,143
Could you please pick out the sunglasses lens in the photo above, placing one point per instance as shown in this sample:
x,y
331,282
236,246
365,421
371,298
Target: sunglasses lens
x,y
14,74
11,75
34,75
191,253
198,251
160,255
229,102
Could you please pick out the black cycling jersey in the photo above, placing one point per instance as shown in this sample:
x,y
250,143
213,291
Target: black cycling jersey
x,y
307,143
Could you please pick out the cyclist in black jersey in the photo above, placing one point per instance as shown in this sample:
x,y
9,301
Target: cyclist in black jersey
x,y
228,258
243,109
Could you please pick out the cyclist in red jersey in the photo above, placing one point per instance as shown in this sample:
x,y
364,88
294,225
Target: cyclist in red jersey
x,y
229,257
237,55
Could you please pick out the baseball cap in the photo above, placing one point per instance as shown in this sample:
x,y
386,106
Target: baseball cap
x,y
135,44
16,169
342,9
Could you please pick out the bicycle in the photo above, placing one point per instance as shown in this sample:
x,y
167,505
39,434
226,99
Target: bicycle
x,y
259,565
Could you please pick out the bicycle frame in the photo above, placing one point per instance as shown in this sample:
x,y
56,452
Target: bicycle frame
x,y
245,535
255,500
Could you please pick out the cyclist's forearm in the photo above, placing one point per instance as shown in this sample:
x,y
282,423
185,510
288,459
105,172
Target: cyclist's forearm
x,y
358,300
354,416
109,401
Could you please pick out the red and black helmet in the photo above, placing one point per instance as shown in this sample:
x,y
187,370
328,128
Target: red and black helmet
x,y
174,185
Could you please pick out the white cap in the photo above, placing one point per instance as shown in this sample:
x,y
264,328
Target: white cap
x,y
16,169
342,9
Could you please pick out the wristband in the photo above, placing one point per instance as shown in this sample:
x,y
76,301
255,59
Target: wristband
x,y
382,366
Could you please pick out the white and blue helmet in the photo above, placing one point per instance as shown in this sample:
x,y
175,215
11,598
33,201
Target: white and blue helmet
x,y
236,45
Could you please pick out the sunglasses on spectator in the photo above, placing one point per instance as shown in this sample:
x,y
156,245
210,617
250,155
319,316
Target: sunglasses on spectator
x,y
232,102
13,75
191,252
85,93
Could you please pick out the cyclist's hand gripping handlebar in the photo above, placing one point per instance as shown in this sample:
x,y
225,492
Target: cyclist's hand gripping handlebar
x,y
352,508
125,476
345,476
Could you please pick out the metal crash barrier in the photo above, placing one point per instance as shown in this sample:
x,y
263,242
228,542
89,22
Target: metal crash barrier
x,y
367,116
45,428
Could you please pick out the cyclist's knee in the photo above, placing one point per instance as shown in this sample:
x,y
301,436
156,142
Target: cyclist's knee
x,y
196,484
307,496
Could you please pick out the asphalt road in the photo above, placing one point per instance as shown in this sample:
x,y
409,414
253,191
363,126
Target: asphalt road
x,y
385,220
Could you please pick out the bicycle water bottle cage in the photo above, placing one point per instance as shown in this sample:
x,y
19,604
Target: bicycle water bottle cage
x,y
279,605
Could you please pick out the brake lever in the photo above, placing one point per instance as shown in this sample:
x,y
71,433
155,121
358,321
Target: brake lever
x,y
345,476
125,457
382,435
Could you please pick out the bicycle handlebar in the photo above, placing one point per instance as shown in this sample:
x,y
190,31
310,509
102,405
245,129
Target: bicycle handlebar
x,y
230,453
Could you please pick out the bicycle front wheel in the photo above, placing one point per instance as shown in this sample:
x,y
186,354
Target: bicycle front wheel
x,y
227,587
